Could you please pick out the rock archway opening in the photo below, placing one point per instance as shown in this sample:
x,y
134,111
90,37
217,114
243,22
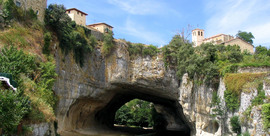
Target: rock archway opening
x,y
169,115
91,116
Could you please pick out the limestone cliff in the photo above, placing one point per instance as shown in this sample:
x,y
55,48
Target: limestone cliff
x,y
90,95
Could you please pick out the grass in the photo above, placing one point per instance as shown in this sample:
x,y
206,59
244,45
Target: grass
x,y
41,110
236,81
15,36
29,38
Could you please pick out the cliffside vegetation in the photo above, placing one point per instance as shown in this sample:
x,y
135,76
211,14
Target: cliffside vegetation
x,y
266,115
22,39
140,49
205,62
72,37
35,80
208,62
108,43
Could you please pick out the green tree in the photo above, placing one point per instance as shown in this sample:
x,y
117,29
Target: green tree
x,y
59,21
135,113
71,36
47,42
46,82
232,100
261,50
235,124
247,36
16,62
13,107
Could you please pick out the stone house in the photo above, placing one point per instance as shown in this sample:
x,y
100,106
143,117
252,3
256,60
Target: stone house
x,y
80,18
39,6
77,15
102,27
198,39
242,43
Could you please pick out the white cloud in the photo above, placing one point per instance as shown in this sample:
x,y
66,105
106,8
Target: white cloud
x,y
229,16
138,7
141,33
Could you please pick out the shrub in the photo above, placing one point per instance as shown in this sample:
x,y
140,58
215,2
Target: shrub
x,y
150,50
107,43
139,49
16,62
259,98
266,115
46,82
47,42
13,107
235,124
246,134
232,100
216,103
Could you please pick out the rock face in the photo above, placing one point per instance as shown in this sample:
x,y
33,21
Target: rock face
x,y
90,95
43,129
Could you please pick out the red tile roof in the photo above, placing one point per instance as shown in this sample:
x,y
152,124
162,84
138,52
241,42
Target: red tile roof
x,y
197,29
236,39
100,24
77,10
212,37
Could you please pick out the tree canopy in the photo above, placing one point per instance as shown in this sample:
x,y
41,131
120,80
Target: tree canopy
x,y
135,113
247,36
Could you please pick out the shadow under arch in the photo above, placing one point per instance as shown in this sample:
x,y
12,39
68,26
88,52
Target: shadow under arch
x,y
171,111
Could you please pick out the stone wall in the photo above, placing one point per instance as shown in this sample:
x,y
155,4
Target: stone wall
x,y
77,16
243,44
39,6
43,129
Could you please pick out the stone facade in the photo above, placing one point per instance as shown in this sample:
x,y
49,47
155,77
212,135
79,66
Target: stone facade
x,y
39,6
102,27
78,16
243,44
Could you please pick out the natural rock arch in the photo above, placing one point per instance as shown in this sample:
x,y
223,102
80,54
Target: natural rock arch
x,y
87,114
88,95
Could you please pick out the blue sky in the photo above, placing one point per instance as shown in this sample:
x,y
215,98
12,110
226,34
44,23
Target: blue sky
x,y
157,21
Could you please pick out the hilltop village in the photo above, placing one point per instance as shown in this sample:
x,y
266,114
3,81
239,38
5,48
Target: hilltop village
x,y
80,18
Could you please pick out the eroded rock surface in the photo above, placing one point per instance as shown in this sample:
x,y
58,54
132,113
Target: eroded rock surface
x,y
90,95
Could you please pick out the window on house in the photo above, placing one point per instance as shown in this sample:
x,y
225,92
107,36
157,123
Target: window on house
x,y
68,11
198,33
106,30
201,34
81,14
78,12
18,3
